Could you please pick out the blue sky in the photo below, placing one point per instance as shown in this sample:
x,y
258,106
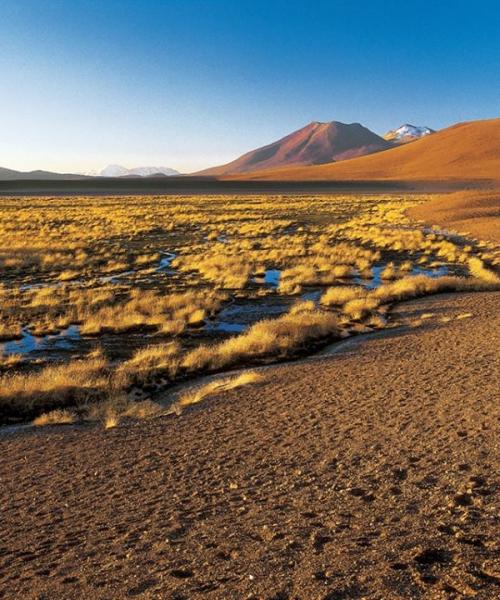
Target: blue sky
x,y
190,84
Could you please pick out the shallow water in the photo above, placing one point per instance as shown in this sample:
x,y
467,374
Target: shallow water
x,y
315,295
241,314
225,326
376,280
166,261
272,277
66,339
233,319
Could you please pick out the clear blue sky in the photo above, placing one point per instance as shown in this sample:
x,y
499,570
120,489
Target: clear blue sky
x,y
192,83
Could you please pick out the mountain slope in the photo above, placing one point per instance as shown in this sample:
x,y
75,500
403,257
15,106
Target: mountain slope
x,y
11,174
464,151
314,144
407,133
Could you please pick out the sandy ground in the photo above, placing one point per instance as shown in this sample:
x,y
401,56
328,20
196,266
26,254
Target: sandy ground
x,y
367,474
472,212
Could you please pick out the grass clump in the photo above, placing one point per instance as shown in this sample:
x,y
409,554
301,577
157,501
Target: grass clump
x,y
270,337
74,383
479,270
359,308
339,295
55,417
162,359
196,395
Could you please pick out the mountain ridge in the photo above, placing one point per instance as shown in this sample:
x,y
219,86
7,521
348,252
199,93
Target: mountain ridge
x,y
464,151
315,143
13,174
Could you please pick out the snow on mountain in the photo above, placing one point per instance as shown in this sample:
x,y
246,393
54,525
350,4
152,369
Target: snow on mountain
x,y
407,133
119,171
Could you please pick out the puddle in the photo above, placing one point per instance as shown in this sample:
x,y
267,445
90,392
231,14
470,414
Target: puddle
x,y
377,280
233,319
166,260
241,314
225,326
63,340
271,277
314,295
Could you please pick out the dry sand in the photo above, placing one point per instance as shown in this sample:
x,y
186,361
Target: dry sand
x,y
472,212
367,474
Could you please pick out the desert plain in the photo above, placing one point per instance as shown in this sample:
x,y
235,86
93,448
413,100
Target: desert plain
x,y
259,396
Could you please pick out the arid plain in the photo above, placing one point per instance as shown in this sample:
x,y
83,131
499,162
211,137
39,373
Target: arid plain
x,y
249,397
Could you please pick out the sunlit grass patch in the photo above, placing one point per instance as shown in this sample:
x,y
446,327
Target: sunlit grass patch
x,y
339,295
478,269
270,337
55,417
151,360
147,280
197,394
60,385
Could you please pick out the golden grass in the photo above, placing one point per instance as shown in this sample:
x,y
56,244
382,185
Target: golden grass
x,y
336,296
77,255
197,394
150,310
359,308
269,337
73,383
152,360
479,270
10,360
111,419
55,417
10,331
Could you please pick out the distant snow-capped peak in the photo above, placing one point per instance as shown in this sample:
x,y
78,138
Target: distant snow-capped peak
x,y
408,132
119,171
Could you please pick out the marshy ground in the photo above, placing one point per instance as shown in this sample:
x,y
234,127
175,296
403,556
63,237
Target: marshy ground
x,y
106,298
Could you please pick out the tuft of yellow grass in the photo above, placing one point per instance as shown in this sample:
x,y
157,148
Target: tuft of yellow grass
x,y
111,420
338,295
196,395
10,360
161,359
359,308
10,331
268,337
479,270
72,383
55,417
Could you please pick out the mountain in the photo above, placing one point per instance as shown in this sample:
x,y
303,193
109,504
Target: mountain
x,y
109,171
11,174
407,133
314,144
119,171
464,151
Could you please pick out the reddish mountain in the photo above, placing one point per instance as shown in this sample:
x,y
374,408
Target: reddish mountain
x,y
465,151
314,144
